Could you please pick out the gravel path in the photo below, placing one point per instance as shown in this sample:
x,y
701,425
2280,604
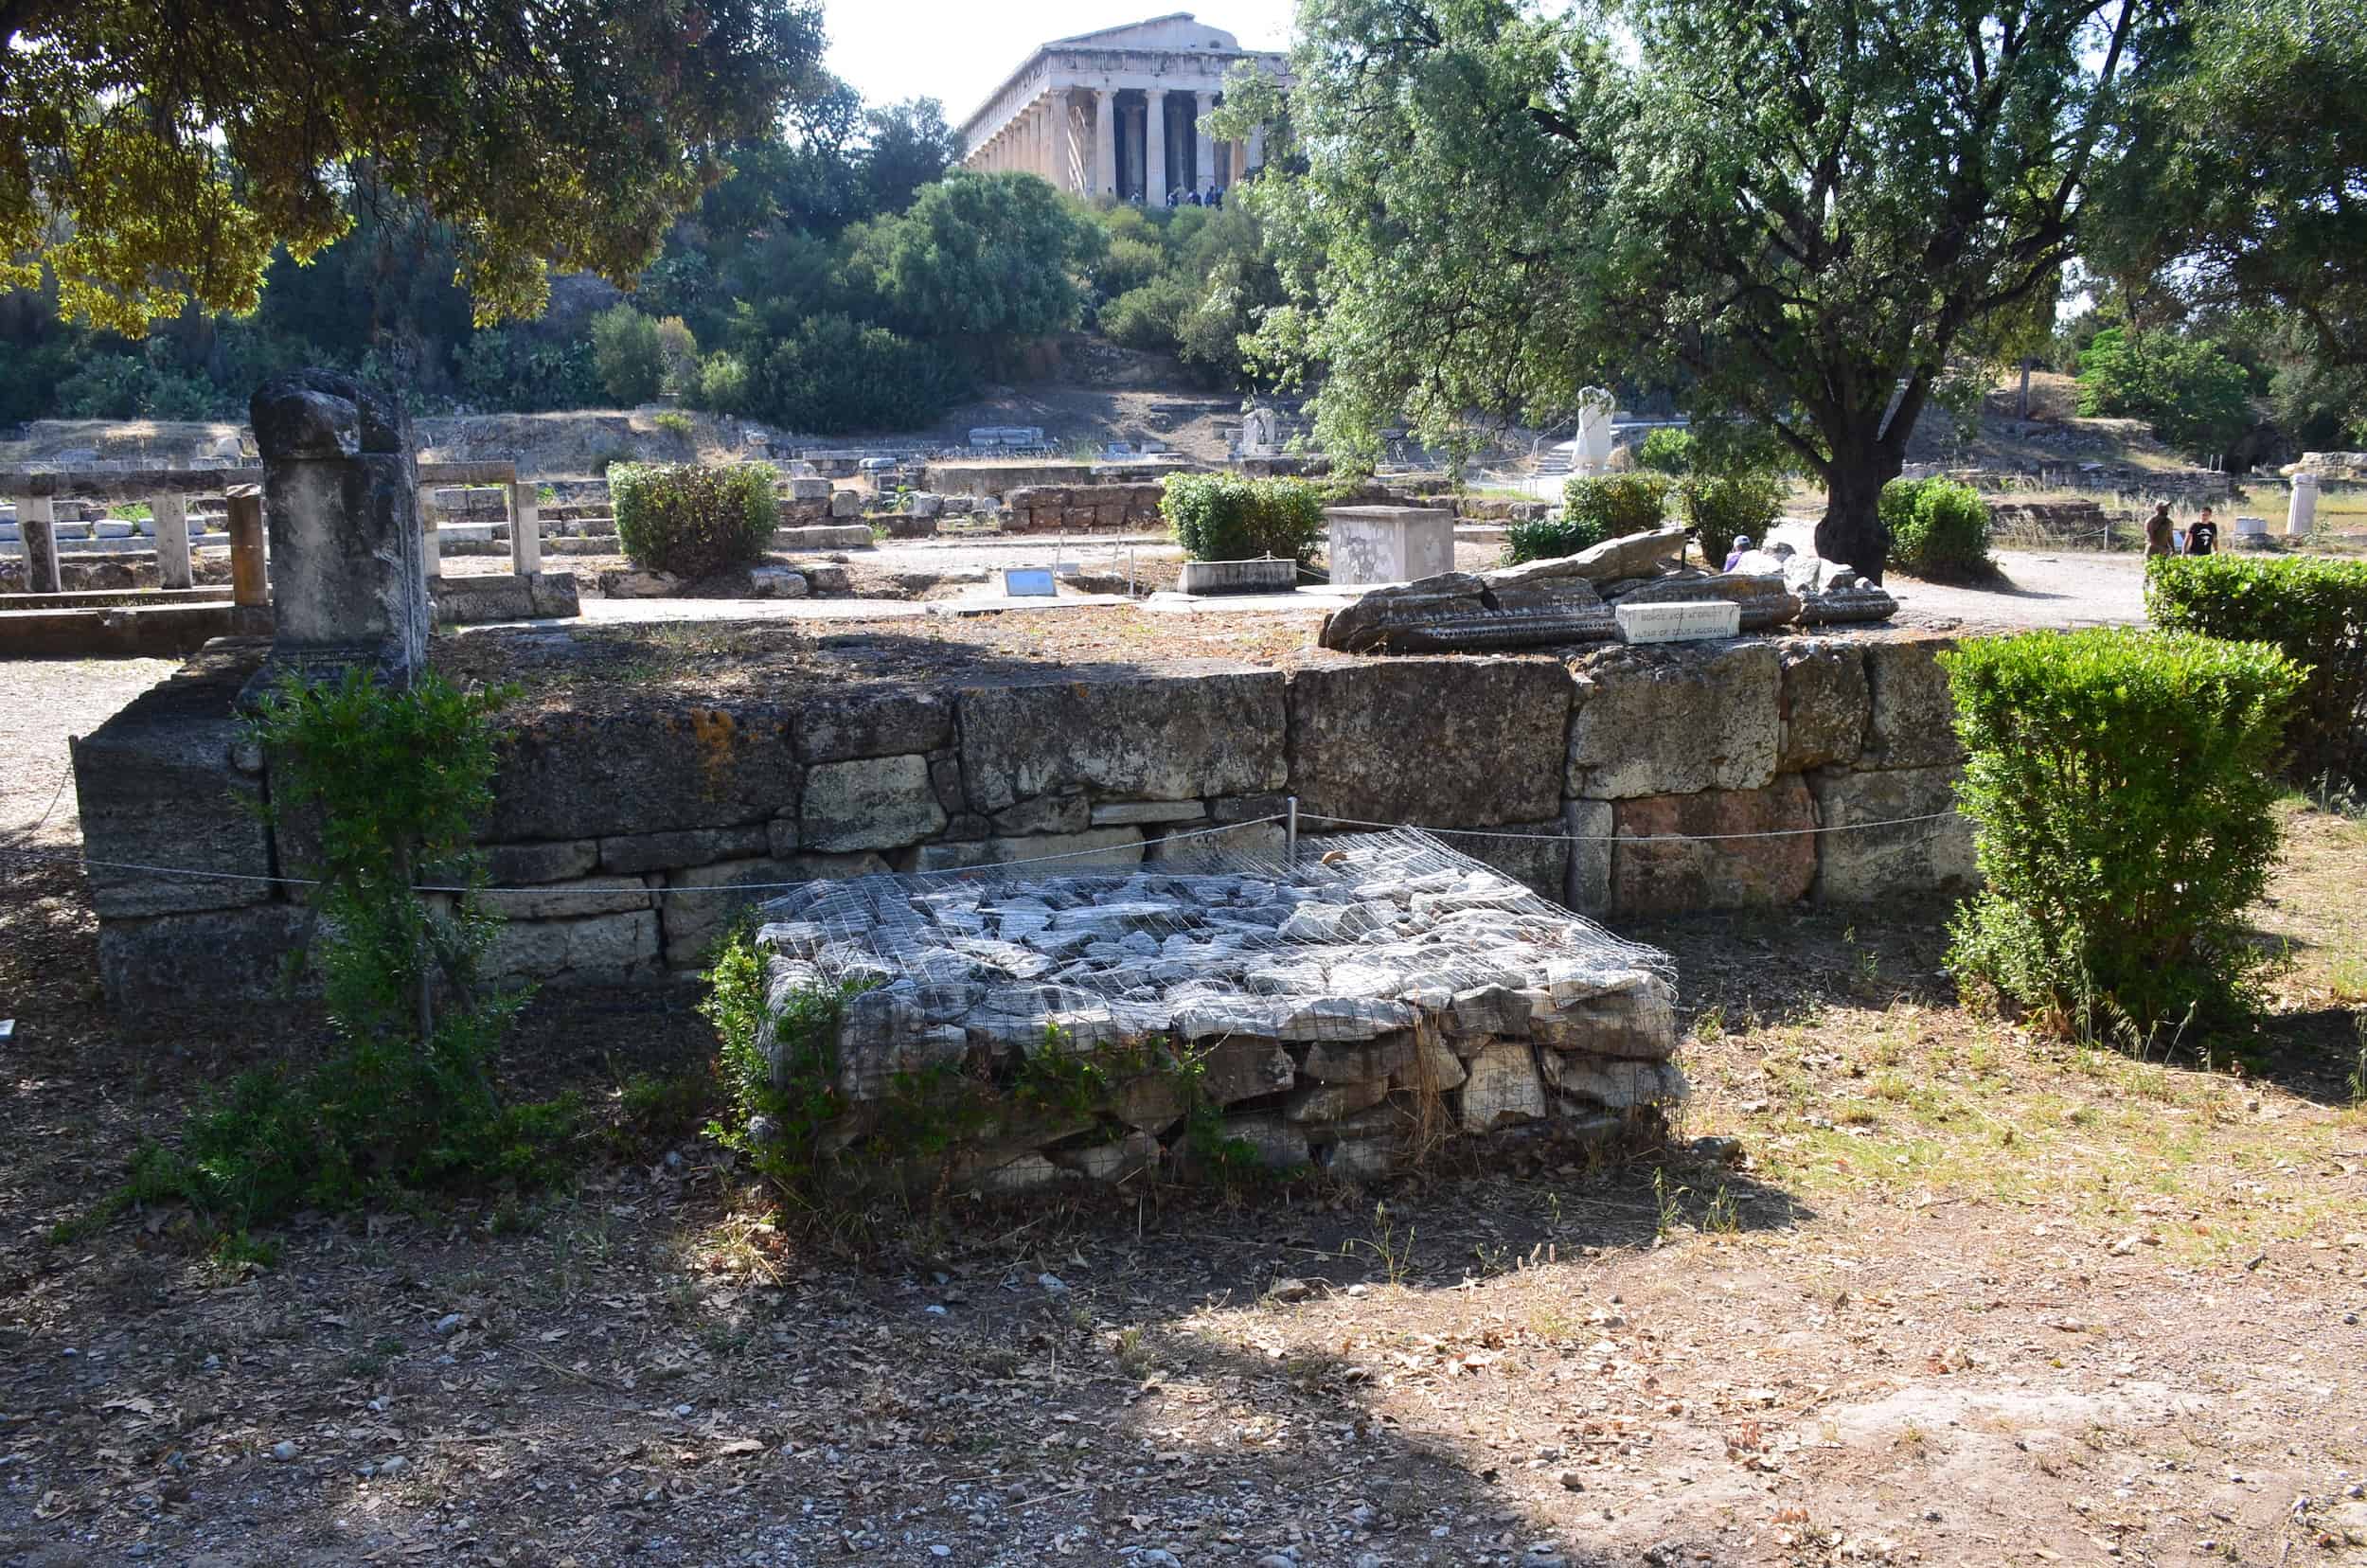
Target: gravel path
x,y
49,701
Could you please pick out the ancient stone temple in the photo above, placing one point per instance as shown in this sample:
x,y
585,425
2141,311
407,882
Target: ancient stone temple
x,y
1117,113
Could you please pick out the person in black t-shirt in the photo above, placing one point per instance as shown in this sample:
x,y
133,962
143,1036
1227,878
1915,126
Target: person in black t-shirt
x,y
2203,537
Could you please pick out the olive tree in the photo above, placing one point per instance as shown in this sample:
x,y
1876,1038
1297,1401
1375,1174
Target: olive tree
x,y
153,154
1796,213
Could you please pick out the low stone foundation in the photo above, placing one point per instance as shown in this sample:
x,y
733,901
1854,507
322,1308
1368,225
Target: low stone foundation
x,y
1606,778
503,596
1082,509
1347,1013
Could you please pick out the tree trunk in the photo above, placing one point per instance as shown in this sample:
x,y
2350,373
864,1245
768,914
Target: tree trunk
x,y
2021,403
1851,531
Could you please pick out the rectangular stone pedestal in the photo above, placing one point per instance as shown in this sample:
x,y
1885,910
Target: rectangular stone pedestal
x,y
1389,544
1239,576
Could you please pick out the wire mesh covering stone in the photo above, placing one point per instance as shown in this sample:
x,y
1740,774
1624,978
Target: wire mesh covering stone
x,y
1382,964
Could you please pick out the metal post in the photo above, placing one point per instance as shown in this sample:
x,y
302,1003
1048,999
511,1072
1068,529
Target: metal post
x,y
1290,832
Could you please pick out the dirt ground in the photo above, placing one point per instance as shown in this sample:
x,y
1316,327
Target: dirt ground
x,y
1960,1296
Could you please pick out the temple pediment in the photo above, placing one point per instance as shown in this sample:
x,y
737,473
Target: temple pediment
x,y
1175,31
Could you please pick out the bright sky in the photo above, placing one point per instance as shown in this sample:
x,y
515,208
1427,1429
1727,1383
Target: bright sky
x,y
960,50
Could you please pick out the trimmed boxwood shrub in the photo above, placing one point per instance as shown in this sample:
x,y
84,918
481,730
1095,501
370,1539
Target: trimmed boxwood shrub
x,y
1720,510
1227,517
2122,786
1939,529
2314,609
1617,504
689,520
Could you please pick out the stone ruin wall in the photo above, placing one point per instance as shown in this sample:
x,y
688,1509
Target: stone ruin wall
x,y
596,815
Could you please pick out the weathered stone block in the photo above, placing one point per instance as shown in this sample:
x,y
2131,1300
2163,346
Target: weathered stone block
x,y
1913,716
1671,721
159,784
1077,851
1763,600
1878,862
1330,1102
1826,704
1713,871
1589,825
1502,1089
521,865
608,894
693,920
1161,738
1474,742
1356,1060
1120,813
600,950
1615,1085
570,774
1640,1023
1240,1067
1053,813
685,847
1271,1141
1541,863
168,962
873,723
876,803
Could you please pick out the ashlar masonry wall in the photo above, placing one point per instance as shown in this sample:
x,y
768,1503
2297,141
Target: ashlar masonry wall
x,y
637,832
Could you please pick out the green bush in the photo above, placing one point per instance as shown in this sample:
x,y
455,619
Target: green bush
x,y
629,353
1548,539
677,424
1896,503
678,352
1617,504
1944,534
1720,510
689,520
2313,607
1669,452
1226,517
2122,786
724,384
384,788
2195,397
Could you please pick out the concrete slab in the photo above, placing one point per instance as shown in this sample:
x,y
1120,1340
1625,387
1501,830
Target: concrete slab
x,y
993,604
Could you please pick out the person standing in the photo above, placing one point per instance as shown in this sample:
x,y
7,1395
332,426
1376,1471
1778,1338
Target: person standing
x,y
2158,531
2203,537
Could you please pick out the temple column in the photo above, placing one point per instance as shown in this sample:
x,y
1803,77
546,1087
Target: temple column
x,y
1203,145
1257,156
1045,167
1105,143
1155,147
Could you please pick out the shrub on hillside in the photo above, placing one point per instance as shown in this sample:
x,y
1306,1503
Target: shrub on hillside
x,y
2122,784
678,353
2313,607
1617,504
1669,452
1718,511
1938,529
629,354
1226,517
689,520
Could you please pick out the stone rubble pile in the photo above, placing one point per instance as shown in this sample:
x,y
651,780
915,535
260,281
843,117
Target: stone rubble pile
x,y
1338,1014
1571,598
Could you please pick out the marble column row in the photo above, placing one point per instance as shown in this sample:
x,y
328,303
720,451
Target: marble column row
x,y
1049,138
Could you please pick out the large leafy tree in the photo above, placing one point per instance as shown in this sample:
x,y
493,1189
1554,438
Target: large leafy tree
x,y
2246,185
1796,212
153,154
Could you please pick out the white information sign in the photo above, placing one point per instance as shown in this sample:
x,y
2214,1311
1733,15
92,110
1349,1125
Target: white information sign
x,y
1691,621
